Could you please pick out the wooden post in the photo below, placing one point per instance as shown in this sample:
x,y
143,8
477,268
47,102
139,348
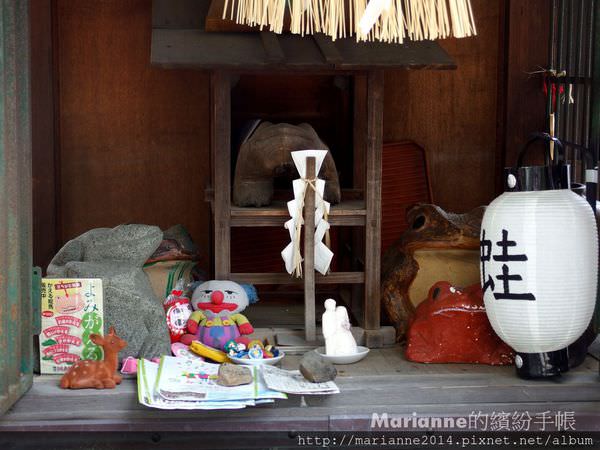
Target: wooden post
x,y
373,199
309,254
221,154
16,316
360,153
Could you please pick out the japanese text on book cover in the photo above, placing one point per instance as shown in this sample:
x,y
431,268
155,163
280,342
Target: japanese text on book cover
x,y
72,310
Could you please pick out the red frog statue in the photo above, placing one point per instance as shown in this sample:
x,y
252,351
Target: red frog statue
x,y
217,316
451,326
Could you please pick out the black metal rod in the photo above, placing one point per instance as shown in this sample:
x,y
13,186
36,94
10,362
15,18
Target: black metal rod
x,y
551,61
590,37
586,115
559,66
568,67
580,51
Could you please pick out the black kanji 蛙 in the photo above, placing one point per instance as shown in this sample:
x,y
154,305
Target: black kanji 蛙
x,y
506,277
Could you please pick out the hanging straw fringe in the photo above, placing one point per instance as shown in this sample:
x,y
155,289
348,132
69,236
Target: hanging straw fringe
x,y
399,19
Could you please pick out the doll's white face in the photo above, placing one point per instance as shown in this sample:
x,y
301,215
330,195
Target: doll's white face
x,y
220,295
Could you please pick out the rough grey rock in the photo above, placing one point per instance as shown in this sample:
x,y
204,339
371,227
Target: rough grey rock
x,y
232,375
117,256
317,369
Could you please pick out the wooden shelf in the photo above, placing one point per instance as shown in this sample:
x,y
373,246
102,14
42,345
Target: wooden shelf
x,y
361,210
50,417
347,213
284,278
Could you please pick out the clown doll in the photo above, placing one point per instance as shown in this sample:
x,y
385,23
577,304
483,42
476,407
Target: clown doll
x,y
217,316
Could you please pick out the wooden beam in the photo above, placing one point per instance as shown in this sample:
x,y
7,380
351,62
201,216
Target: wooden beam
x,y
194,49
44,126
373,199
221,156
310,322
350,213
272,47
284,278
328,49
357,300
501,97
275,221
185,14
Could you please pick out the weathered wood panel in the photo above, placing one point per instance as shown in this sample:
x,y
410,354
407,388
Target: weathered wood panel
x,y
526,51
134,139
383,382
375,104
44,165
452,114
220,116
16,317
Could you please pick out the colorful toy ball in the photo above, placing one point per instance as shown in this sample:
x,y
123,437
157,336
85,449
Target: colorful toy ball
x,y
230,346
255,353
255,343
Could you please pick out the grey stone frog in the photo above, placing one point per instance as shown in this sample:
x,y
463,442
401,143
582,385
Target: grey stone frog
x,y
117,256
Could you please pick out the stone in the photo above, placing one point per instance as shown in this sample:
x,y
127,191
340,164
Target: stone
x,y
317,369
232,375
117,256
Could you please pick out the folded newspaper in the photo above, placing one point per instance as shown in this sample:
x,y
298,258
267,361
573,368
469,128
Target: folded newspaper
x,y
293,382
183,383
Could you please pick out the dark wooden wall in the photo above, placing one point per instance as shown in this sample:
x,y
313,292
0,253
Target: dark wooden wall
x,y
132,141
526,51
452,114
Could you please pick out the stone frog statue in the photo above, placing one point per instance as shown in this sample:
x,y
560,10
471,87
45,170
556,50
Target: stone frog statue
x,y
217,316
117,256
451,326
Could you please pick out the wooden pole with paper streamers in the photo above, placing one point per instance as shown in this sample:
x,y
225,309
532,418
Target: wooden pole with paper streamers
x,y
308,208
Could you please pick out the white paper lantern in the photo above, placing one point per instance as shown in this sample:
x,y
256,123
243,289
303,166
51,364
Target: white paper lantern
x,y
539,254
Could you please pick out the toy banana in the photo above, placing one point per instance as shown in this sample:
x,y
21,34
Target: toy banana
x,y
208,352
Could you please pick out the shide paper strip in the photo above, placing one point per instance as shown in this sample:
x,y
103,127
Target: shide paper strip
x,y
291,253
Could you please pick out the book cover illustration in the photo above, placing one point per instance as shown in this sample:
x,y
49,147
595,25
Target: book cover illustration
x,y
72,310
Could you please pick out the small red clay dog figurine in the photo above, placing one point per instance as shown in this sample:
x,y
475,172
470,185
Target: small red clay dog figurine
x,y
97,374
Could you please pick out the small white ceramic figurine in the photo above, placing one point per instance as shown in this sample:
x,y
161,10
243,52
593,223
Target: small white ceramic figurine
x,y
336,330
343,340
329,324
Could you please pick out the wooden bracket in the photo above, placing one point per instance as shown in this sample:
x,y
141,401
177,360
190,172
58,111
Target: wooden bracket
x,y
272,47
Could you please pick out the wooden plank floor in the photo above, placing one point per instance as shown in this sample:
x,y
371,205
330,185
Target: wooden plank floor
x,y
383,382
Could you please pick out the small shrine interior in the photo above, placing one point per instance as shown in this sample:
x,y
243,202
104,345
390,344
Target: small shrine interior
x,y
140,112
339,90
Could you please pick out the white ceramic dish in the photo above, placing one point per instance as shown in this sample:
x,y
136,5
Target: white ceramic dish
x,y
258,362
344,359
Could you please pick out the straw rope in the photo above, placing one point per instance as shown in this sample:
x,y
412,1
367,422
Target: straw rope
x,y
396,21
